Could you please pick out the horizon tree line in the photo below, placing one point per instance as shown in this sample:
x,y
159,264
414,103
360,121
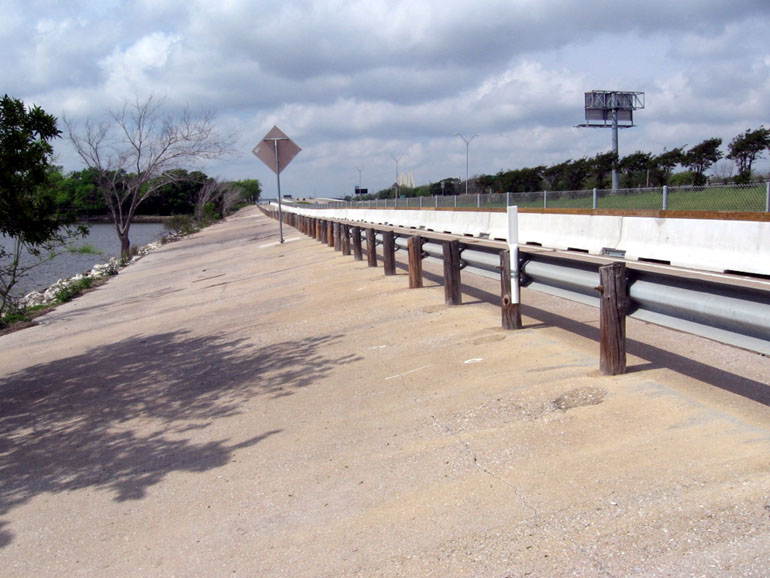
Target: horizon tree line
x,y
636,170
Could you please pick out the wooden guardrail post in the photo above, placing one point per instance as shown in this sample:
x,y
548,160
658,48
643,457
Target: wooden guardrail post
x,y
317,229
414,246
337,236
371,248
389,252
511,312
357,252
345,231
330,233
452,266
612,319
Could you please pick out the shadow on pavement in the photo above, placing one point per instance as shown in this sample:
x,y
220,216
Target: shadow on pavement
x,y
118,417
656,357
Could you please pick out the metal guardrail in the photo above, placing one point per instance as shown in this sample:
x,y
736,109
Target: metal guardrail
x,y
718,307
720,311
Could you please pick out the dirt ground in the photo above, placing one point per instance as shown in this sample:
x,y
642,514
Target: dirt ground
x,y
230,406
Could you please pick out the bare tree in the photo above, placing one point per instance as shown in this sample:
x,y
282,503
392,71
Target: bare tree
x,y
135,151
231,196
210,192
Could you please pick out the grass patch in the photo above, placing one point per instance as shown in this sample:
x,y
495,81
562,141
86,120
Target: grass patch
x,y
84,250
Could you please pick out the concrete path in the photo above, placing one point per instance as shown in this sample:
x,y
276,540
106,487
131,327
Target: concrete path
x,y
229,406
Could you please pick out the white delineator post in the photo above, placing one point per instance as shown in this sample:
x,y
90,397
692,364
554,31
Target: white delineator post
x,y
509,275
513,250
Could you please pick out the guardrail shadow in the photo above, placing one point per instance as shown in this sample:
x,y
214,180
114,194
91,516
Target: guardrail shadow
x,y
655,356
115,416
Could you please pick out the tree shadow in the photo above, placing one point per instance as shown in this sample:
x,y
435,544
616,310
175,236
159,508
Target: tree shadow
x,y
118,417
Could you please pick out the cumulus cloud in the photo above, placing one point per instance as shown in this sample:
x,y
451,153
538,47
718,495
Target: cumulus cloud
x,y
355,81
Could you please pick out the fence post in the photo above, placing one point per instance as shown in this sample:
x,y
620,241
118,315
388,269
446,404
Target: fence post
x,y
389,252
612,319
511,312
596,199
371,248
330,233
508,198
452,282
318,229
414,246
478,201
767,197
357,253
435,199
345,231
545,199
665,197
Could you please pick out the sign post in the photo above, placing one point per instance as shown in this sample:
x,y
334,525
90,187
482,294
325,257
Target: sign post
x,y
276,155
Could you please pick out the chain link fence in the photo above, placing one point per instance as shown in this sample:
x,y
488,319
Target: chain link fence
x,y
752,197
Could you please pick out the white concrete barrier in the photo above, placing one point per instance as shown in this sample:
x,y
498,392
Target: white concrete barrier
x,y
706,244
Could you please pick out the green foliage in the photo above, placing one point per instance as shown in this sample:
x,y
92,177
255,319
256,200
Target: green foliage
x,y
180,224
84,250
28,208
176,195
635,168
700,157
29,211
682,178
745,148
73,289
664,164
250,189
210,214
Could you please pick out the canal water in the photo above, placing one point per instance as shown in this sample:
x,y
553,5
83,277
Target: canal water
x,y
99,246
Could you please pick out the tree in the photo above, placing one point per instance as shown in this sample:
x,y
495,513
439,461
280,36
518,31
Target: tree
x,y
636,168
666,162
700,157
601,165
745,148
250,189
136,151
28,212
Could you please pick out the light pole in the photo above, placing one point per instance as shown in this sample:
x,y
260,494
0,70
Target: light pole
x,y
467,146
396,158
360,170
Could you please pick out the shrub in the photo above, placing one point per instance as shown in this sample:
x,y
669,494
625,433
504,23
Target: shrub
x,y
73,289
180,225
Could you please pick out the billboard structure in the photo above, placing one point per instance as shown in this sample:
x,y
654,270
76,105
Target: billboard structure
x,y
612,109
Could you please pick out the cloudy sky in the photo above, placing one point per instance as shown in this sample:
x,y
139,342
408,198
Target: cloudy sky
x,y
356,83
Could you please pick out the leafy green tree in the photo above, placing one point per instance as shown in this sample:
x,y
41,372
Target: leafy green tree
x,y
177,195
665,163
28,208
77,192
635,167
600,166
700,157
745,148
250,189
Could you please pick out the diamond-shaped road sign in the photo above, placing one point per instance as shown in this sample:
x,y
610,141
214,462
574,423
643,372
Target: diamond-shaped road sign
x,y
265,150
